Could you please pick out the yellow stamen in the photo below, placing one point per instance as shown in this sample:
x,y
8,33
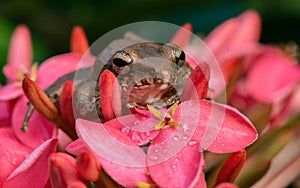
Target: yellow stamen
x,y
160,125
33,71
155,112
165,120
143,185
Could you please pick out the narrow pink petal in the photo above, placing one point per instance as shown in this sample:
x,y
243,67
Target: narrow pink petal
x,y
76,147
110,93
182,36
29,173
221,36
79,42
284,109
177,171
20,49
11,72
10,91
57,66
88,166
5,114
235,34
12,153
40,129
249,29
63,171
66,103
220,128
119,156
196,86
226,185
268,78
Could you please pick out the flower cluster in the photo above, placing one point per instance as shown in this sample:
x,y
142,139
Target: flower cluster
x,y
185,145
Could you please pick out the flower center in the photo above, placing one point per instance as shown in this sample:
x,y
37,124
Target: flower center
x,y
24,74
165,119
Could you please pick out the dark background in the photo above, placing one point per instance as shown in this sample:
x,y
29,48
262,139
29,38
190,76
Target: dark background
x,y
50,22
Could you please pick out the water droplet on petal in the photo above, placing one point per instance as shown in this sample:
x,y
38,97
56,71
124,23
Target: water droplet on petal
x,y
185,137
154,157
135,137
147,133
192,142
176,138
176,159
173,166
125,130
156,150
164,151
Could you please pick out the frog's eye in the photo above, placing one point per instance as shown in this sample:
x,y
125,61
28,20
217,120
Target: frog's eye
x,y
174,52
180,57
121,59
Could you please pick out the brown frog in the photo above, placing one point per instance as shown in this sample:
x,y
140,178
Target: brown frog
x,y
148,73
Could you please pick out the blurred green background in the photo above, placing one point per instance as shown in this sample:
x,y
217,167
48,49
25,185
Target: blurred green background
x,y
50,22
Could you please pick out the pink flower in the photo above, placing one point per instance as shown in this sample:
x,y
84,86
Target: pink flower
x,y
20,165
228,43
174,142
272,77
19,67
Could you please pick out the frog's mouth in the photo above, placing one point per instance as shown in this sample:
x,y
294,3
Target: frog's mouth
x,y
156,92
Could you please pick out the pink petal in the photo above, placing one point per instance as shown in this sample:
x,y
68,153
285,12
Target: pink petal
x,y
12,153
196,86
178,171
268,78
284,109
220,128
40,129
5,114
66,103
234,35
57,66
29,173
76,147
110,95
63,171
135,127
226,185
115,144
11,72
20,50
10,91
119,156
182,36
79,42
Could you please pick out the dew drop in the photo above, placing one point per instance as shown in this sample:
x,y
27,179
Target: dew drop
x,y
185,137
154,157
147,133
173,166
156,150
137,123
192,142
125,130
176,159
135,137
164,151
176,138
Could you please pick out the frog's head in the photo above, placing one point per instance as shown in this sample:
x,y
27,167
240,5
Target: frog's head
x,y
150,73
